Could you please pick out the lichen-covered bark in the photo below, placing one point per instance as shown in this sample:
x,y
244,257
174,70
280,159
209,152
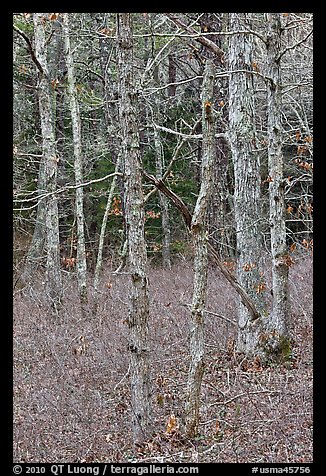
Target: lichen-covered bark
x,y
78,165
277,321
247,180
134,212
199,240
46,107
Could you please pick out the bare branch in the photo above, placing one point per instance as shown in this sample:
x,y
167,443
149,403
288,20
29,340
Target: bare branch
x,y
30,49
61,190
233,322
293,46
154,90
187,136
201,39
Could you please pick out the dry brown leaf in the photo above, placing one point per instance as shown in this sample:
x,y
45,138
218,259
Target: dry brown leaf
x,y
171,425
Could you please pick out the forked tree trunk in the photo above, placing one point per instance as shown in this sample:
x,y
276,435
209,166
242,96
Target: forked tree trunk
x,y
78,166
199,239
277,322
134,212
46,106
247,209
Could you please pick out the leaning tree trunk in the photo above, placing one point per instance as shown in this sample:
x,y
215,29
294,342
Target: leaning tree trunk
x,y
247,182
199,238
135,221
99,260
277,321
78,166
46,106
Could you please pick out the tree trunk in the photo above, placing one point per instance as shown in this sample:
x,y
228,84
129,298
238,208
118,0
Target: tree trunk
x,y
221,226
199,239
166,231
277,322
102,233
46,106
134,210
78,166
172,75
35,253
247,210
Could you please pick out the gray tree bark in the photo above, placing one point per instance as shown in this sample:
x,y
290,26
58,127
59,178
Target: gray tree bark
x,y
278,319
137,258
245,158
78,165
199,239
46,106
221,226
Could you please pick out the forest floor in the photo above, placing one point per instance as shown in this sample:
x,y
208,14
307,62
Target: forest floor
x,y
71,377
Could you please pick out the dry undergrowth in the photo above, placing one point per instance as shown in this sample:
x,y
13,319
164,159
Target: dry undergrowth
x,y
71,386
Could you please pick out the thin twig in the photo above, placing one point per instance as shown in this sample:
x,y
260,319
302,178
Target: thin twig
x,y
242,395
234,323
61,190
126,375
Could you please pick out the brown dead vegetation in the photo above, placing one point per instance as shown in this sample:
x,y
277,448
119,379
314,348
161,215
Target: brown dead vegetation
x,y
71,379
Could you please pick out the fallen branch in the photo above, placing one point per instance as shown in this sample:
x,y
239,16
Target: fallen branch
x,y
187,217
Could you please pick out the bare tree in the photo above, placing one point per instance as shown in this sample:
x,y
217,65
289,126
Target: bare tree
x,y
199,239
247,198
46,107
78,165
134,211
278,318
36,251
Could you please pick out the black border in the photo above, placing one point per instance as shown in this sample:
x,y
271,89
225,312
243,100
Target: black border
x,y
6,360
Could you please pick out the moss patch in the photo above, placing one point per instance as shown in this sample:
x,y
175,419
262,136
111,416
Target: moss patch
x,y
276,348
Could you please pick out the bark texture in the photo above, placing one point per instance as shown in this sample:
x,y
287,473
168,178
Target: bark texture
x,y
199,239
134,211
220,216
277,322
46,107
78,165
247,180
